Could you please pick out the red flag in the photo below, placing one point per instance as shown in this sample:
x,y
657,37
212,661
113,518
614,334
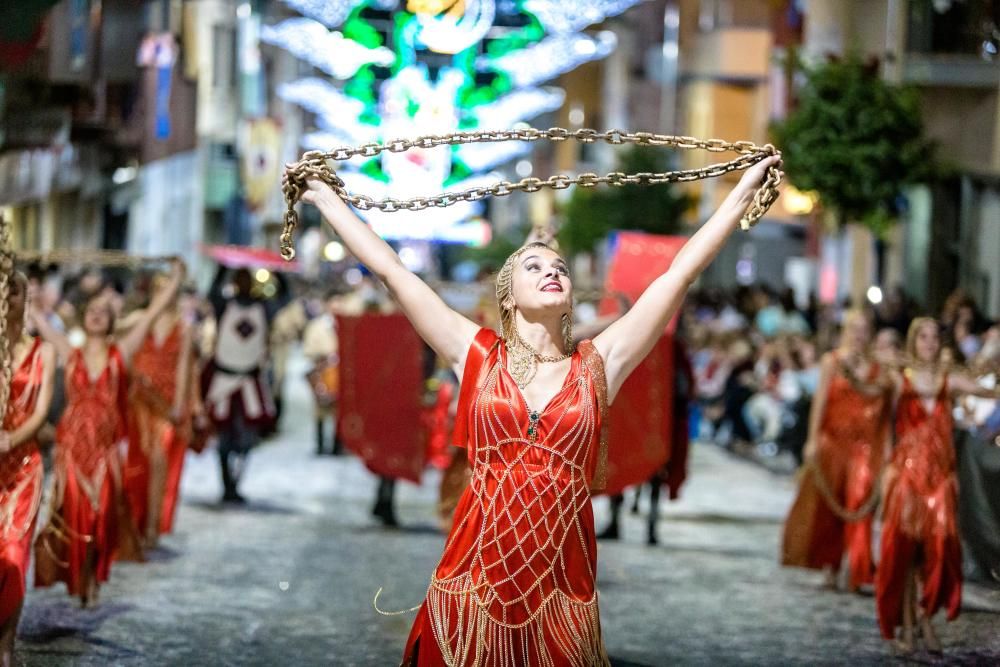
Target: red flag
x,y
641,418
381,391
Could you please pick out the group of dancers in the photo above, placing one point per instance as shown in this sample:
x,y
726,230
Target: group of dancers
x,y
880,438
123,382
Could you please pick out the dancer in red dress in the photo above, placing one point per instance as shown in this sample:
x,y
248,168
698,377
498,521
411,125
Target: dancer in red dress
x,y
89,524
159,421
20,462
921,563
516,582
845,452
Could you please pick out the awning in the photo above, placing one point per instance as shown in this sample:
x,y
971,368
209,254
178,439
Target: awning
x,y
246,257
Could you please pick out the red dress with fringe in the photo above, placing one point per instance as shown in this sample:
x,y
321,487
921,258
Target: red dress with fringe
x,y
20,485
849,457
920,524
157,446
89,511
515,585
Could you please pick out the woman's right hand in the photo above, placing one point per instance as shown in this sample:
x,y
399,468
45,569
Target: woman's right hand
x,y
319,192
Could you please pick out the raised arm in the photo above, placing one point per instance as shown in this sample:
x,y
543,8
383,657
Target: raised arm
x,y
29,428
58,339
964,385
130,343
447,332
624,344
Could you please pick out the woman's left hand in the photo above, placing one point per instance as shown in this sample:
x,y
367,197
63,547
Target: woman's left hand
x,y
753,178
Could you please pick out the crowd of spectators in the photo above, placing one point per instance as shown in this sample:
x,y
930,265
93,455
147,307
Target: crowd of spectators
x,y
755,354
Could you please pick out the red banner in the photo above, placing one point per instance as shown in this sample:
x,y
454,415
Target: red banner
x,y
641,418
381,390
637,260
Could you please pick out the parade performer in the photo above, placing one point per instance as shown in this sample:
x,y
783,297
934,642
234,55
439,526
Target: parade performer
x,y
20,462
89,525
516,582
319,346
920,570
237,396
159,420
849,436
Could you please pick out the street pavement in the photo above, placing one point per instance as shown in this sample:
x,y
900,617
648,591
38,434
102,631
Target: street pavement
x,y
290,579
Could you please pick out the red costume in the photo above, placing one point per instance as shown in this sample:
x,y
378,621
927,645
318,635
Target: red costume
x,y
20,485
920,527
515,584
850,451
88,507
156,445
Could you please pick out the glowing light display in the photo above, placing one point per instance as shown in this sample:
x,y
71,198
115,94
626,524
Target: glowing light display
x,y
331,52
564,16
551,57
434,68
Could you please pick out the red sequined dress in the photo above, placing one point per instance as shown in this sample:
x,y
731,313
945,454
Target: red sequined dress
x,y
88,505
920,525
20,485
850,452
515,585
156,445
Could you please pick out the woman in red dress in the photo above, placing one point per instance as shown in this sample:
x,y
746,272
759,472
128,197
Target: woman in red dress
x,y
920,570
516,582
844,455
89,525
33,363
159,420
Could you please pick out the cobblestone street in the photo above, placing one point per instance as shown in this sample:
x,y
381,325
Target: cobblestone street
x,y
290,579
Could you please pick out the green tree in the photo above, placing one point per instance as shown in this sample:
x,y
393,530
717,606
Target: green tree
x,y
854,140
592,213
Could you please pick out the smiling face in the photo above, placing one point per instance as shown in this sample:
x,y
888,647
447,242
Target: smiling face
x,y
540,282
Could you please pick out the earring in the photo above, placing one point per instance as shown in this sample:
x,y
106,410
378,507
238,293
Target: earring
x,y
567,331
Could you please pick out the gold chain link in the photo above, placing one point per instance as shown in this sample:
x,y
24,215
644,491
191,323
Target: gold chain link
x,y
315,165
844,514
91,256
6,348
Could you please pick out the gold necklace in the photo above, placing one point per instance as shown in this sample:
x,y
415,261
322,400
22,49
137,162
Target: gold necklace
x,y
523,360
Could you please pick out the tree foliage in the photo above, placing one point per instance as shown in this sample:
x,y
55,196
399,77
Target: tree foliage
x,y
854,140
593,213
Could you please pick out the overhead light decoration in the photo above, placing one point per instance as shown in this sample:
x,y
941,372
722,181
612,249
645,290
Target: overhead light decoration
x,y
564,16
550,57
518,106
327,50
433,68
461,26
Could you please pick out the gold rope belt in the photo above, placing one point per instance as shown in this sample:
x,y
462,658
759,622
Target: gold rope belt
x,y
92,256
314,165
844,514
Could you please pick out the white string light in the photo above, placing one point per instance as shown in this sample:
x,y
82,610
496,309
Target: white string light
x,y
517,106
564,16
331,13
331,52
550,57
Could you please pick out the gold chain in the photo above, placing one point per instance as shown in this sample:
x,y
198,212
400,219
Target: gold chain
x,y
6,351
93,256
314,165
845,515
